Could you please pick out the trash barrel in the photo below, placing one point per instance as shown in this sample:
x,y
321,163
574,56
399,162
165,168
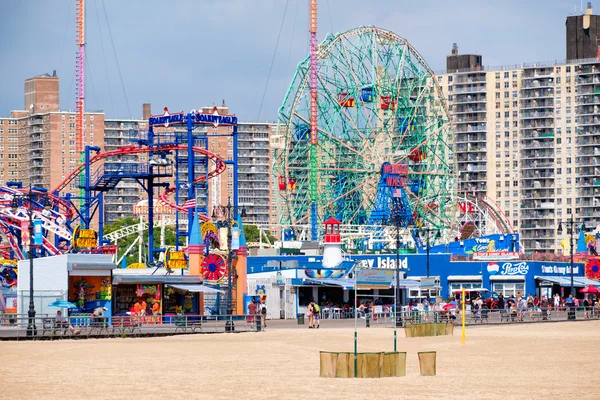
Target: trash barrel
x,y
300,319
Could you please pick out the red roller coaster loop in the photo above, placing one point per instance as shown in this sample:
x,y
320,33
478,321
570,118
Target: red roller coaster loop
x,y
220,167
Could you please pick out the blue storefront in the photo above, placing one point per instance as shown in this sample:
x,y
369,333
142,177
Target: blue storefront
x,y
503,277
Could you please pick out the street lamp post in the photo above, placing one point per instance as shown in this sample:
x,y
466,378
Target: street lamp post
x,y
571,224
230,215
396,223
31,327
428,244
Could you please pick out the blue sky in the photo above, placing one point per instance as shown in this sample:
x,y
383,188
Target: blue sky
x,y
186,54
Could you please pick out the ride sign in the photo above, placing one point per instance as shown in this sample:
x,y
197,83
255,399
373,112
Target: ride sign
x,y
84,238
216,119
166,119
175,259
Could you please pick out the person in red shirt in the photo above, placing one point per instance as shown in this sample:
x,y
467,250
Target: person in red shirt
x,y
251,311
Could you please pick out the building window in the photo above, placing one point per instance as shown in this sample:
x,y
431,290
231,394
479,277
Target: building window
x,y
509,288
457,286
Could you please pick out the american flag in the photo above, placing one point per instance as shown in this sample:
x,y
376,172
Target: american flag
x,y
191,203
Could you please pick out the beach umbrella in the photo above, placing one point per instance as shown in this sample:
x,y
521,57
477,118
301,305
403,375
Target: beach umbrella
x,y
62,304
590,289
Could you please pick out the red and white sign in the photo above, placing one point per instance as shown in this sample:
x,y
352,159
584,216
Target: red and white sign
x,y
496,256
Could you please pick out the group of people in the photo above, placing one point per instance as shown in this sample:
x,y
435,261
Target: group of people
x,y
140,310
97,319
259,309
313,312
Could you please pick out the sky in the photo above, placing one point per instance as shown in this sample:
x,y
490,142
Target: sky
x,y
186,54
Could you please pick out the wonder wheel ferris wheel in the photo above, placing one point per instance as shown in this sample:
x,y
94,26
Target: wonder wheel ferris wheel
x,y
378,102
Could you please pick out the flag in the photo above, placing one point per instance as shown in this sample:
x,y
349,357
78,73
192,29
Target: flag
x,y
191,203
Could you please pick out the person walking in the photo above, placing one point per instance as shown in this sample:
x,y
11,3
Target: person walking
x,y
570,307
251,312
309,314
530,306
317,315
586,307
263,313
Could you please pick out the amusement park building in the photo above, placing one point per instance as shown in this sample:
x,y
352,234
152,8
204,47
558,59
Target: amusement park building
x,y
37,146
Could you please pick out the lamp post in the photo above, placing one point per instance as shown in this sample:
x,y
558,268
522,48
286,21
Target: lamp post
x,y
29,196
428,244
571,224
396,222
230,214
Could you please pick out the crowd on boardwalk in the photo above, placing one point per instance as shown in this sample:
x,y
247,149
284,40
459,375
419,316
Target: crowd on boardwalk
x,y
510,308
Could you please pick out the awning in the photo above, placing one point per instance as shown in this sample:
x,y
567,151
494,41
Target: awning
x,y
407,283
507,278
464,278
154,279
562,280
585,281
90,264
195,288
345,283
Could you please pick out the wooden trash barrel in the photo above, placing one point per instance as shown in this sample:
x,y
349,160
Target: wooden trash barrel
x,y
369,365
427,363
336,365
394,364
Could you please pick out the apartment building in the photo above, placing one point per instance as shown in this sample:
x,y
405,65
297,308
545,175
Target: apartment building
x,y
256,186
119,202
528,137
39,142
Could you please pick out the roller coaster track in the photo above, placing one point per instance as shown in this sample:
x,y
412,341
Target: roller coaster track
x,y
220,167
502,222
133,229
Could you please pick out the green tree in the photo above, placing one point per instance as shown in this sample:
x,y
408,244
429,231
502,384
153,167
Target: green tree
x,y
125,242
251,232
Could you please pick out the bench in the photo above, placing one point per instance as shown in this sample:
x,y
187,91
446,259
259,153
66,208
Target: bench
x,y
51,327
508,316
123,325
184,324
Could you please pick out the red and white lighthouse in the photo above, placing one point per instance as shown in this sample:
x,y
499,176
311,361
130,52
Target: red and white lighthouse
x,y
332,251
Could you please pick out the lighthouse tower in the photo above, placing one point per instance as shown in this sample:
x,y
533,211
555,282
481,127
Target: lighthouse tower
x,y
332,252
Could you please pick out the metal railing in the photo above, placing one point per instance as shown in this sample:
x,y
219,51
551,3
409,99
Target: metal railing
x,y
16,327
483,316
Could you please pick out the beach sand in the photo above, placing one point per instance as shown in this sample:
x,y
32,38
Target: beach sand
x,y
529,361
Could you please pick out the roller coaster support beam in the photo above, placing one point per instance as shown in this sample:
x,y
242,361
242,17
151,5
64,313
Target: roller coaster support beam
x,y
190,165
235,170
150,190
89,198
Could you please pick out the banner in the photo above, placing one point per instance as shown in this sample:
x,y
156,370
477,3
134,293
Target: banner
x,y
25,234
495,256
235,238
374,277
175,259
223,238
37,232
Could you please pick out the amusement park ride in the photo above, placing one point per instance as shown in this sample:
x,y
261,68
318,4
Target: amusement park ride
x,y
365,130
190,148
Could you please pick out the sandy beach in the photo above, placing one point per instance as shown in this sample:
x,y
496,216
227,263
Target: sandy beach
x,y
531,361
